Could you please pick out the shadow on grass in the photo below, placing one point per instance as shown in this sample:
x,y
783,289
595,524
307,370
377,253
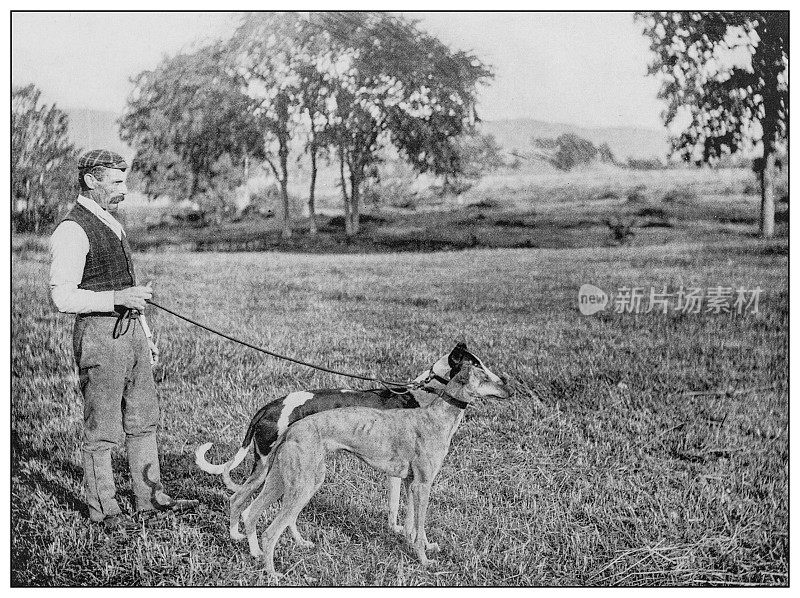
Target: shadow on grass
x,y
57,476
351,521
57,469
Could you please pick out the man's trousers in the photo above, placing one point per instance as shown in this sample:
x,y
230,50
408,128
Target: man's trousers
x,y
119,395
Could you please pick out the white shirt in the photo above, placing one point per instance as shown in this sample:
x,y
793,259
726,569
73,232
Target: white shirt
x,y
69,246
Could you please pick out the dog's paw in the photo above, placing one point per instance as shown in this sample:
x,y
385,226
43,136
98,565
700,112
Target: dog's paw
x,y
432,547
398,529
237,536
275,576
305,544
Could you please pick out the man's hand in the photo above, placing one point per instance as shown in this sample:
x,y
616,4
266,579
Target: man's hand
x,y
154,352
133,297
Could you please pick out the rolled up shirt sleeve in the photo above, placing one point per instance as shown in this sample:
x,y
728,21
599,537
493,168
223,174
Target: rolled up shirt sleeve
x,y
69,246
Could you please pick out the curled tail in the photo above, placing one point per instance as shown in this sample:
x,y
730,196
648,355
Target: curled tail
x,y
222,468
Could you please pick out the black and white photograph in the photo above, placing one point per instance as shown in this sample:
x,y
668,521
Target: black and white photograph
x,y
346,298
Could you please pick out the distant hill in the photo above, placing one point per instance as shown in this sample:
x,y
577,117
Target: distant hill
x,y
96,129
99,129
625,142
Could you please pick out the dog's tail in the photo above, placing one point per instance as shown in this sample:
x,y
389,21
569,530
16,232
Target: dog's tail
x,y
223,468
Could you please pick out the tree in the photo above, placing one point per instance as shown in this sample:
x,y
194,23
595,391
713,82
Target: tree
x,y
396,85
477,154
728,71
43,159
187,118
355,82
313,65
605,154
569,150
263,52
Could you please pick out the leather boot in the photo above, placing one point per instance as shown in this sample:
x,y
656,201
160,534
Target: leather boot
x,y
145,472
98,483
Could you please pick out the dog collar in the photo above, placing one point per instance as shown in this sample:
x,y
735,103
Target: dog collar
x,y
434,376
448,398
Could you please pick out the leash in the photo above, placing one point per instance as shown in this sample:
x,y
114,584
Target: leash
x,y
387,383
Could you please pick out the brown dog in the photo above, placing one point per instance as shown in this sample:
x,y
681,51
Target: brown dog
x,y
405,443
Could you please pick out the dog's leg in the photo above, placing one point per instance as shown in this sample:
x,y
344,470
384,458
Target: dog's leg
x,y
296,495
409,529
422,494
298,537
273,488
239,499
394,505
237,502
319,479
429,546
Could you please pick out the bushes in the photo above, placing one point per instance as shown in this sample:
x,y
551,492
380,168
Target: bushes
x,y
43,161
645,164
621,229
680,195
568,151
637,194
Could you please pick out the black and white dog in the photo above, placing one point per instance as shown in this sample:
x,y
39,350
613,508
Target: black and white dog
x,y
273,419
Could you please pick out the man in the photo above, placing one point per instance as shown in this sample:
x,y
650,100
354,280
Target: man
x,y
92,275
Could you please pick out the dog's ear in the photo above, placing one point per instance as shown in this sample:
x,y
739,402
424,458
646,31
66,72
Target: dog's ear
x,y
457,355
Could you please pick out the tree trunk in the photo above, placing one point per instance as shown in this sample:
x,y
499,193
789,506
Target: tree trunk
x,y
286,231
355,187
36,215
283,152
312,216
28,204
347,222
768,192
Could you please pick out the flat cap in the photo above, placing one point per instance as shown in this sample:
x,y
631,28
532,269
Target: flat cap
x,y
101,157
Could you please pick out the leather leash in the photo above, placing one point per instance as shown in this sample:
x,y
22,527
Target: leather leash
x,y
386,383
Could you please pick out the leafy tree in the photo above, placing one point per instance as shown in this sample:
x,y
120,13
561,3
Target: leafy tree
x,y
355,82
43,160
313,65
442,139
729,72
264,52
397,85
186,118
477,154
605,154
569,150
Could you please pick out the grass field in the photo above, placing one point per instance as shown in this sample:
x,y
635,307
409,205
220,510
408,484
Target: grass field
x,y
637,449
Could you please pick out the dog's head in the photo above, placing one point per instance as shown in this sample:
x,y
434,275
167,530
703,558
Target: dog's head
x,y
448,366
460,356
474,382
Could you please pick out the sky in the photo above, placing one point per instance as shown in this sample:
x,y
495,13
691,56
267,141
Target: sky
x,y
586,69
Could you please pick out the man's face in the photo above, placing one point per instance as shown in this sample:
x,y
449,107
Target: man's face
x,y
109,190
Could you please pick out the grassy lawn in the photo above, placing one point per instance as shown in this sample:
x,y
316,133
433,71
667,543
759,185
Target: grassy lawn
x,y
637,449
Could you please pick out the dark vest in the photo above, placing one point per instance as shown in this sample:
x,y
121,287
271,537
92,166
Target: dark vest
x,y
109,266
